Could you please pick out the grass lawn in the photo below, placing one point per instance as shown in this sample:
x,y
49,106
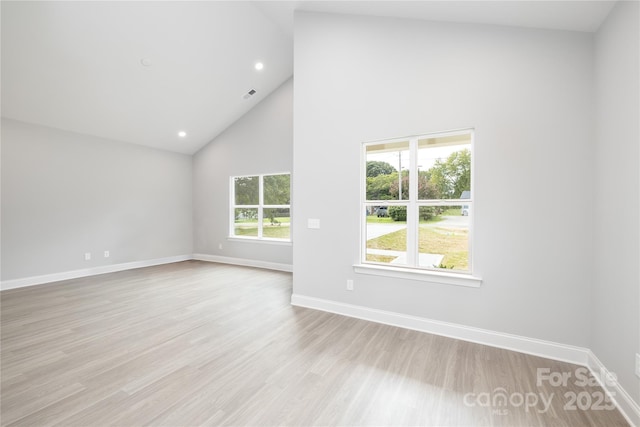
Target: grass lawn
x,y
280,219
450,242
380,258
276,232
281,231
454,211
453,243
382,220
396,241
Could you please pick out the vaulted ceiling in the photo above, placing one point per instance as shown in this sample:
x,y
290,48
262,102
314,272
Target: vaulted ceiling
x,y
141,72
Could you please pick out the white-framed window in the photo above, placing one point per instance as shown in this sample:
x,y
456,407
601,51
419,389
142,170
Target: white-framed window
x,y
261,207
417,204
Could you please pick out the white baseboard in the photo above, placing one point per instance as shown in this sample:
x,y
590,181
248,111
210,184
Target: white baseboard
x,y
244,262
550,350
536,347
85,272
76,274
629,409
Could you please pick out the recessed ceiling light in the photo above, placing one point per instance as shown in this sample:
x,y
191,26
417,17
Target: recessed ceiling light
x,y
146,62
182,134
259,66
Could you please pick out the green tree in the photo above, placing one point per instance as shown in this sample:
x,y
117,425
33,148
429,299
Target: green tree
x,y
445,180
277,189
246,190
378,187
398,213
426,189
394,190
452,176
376,168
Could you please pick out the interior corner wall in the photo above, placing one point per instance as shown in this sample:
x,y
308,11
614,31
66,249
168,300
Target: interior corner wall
x,y
65,194
260,142
528,94
616,290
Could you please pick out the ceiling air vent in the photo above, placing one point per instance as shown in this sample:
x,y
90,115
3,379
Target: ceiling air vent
x,y
249,94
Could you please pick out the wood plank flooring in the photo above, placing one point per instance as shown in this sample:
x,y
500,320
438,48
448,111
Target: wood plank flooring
x,y
197,343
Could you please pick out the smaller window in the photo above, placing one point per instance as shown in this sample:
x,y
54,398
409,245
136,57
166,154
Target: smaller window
x,y
261,207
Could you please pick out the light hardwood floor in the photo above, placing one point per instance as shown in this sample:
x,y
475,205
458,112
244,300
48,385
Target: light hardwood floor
x,y
197,343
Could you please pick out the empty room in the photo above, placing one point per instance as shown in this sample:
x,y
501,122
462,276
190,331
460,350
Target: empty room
x,y
320,213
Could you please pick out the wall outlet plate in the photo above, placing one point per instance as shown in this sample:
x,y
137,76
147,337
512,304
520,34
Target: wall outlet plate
x,y
349,285
87,256
638,365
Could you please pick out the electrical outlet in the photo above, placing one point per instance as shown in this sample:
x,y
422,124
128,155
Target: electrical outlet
x,y
638,365
106,254
349,285
219,245
87,256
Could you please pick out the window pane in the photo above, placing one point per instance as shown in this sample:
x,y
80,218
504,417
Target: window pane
x,y
246,190
246,222
277,189
383,163
276,223
443,237
386,234
444,167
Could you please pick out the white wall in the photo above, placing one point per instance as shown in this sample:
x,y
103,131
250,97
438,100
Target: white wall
x,y
528,94
616,297
259,142
64,194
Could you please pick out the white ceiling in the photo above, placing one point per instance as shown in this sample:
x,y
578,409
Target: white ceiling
x,y
77,65
571,15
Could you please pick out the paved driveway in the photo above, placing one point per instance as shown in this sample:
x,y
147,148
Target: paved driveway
x,y
376,230
452,221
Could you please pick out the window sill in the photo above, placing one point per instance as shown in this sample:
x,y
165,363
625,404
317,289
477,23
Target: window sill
x,y
421,275
256,240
